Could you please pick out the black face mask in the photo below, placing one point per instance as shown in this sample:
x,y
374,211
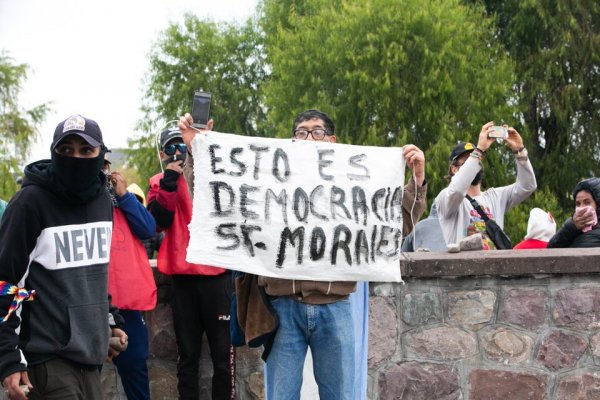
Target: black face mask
x,y
175,157
478,178
79,179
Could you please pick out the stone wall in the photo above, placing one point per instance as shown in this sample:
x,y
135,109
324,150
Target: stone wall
x,y
477,325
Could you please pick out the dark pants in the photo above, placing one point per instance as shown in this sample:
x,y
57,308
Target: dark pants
x,y
59,379
201,304
131,363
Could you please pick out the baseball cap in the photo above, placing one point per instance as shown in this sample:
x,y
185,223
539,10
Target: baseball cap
x,y
168,135
460,149
86,128
137,192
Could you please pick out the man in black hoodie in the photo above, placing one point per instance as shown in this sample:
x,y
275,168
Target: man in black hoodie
x,y
55,237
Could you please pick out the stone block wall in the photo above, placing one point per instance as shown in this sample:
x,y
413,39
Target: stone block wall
x,y
478,325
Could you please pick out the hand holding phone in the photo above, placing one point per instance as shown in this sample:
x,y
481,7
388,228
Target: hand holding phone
x,y
201,109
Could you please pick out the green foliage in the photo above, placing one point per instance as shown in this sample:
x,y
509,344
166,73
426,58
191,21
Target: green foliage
x,y
224,59
390,73
18,127
143,157
556,48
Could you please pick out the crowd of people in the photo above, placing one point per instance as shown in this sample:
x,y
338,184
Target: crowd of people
x,y
77,239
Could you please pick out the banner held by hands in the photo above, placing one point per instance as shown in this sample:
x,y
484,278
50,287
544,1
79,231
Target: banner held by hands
x,y
297,209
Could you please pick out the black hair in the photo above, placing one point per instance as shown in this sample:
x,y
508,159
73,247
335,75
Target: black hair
x,y
314,114
592,186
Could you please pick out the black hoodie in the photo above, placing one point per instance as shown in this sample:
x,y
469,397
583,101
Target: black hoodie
x,y
56,243
569,235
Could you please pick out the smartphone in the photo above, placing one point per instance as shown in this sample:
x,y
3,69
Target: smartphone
x,y
201,108
498,132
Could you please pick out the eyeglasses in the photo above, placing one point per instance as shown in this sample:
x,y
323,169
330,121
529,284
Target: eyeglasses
x,y
317,134
171,149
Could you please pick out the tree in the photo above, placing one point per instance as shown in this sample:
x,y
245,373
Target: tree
x,y
224,59
18,127
556,48
391,73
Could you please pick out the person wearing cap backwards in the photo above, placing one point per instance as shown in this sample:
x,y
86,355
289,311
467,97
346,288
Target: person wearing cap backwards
x,y
455,212
56,236
201,293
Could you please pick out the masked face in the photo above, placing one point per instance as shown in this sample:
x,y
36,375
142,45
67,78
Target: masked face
x,y
76,168
584,198
174,150
455,166
478,178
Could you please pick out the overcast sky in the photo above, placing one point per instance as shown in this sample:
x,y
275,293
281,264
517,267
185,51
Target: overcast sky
x,y
89,57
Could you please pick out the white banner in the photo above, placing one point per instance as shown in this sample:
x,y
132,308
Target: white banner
x,y
297,209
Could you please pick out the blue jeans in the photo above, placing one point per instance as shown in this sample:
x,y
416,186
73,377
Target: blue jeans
x,y
131,363
329,331
359,303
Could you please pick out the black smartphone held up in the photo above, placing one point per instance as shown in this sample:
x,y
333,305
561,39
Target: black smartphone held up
x,y
201,108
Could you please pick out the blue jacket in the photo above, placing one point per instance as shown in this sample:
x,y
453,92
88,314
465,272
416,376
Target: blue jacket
x,y
140,221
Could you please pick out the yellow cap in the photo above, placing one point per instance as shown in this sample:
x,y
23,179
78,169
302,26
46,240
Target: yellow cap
x,y
138,192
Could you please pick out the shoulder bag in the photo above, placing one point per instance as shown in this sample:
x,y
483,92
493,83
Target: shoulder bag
x,y
500,239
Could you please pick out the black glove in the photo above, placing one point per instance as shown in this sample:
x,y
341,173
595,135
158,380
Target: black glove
x,y
169,180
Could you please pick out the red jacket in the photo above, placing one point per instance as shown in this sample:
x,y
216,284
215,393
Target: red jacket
x,y
173,249
531,244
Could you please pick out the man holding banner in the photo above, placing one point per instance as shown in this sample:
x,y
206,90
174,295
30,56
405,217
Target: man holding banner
x,y
333,343
310,219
